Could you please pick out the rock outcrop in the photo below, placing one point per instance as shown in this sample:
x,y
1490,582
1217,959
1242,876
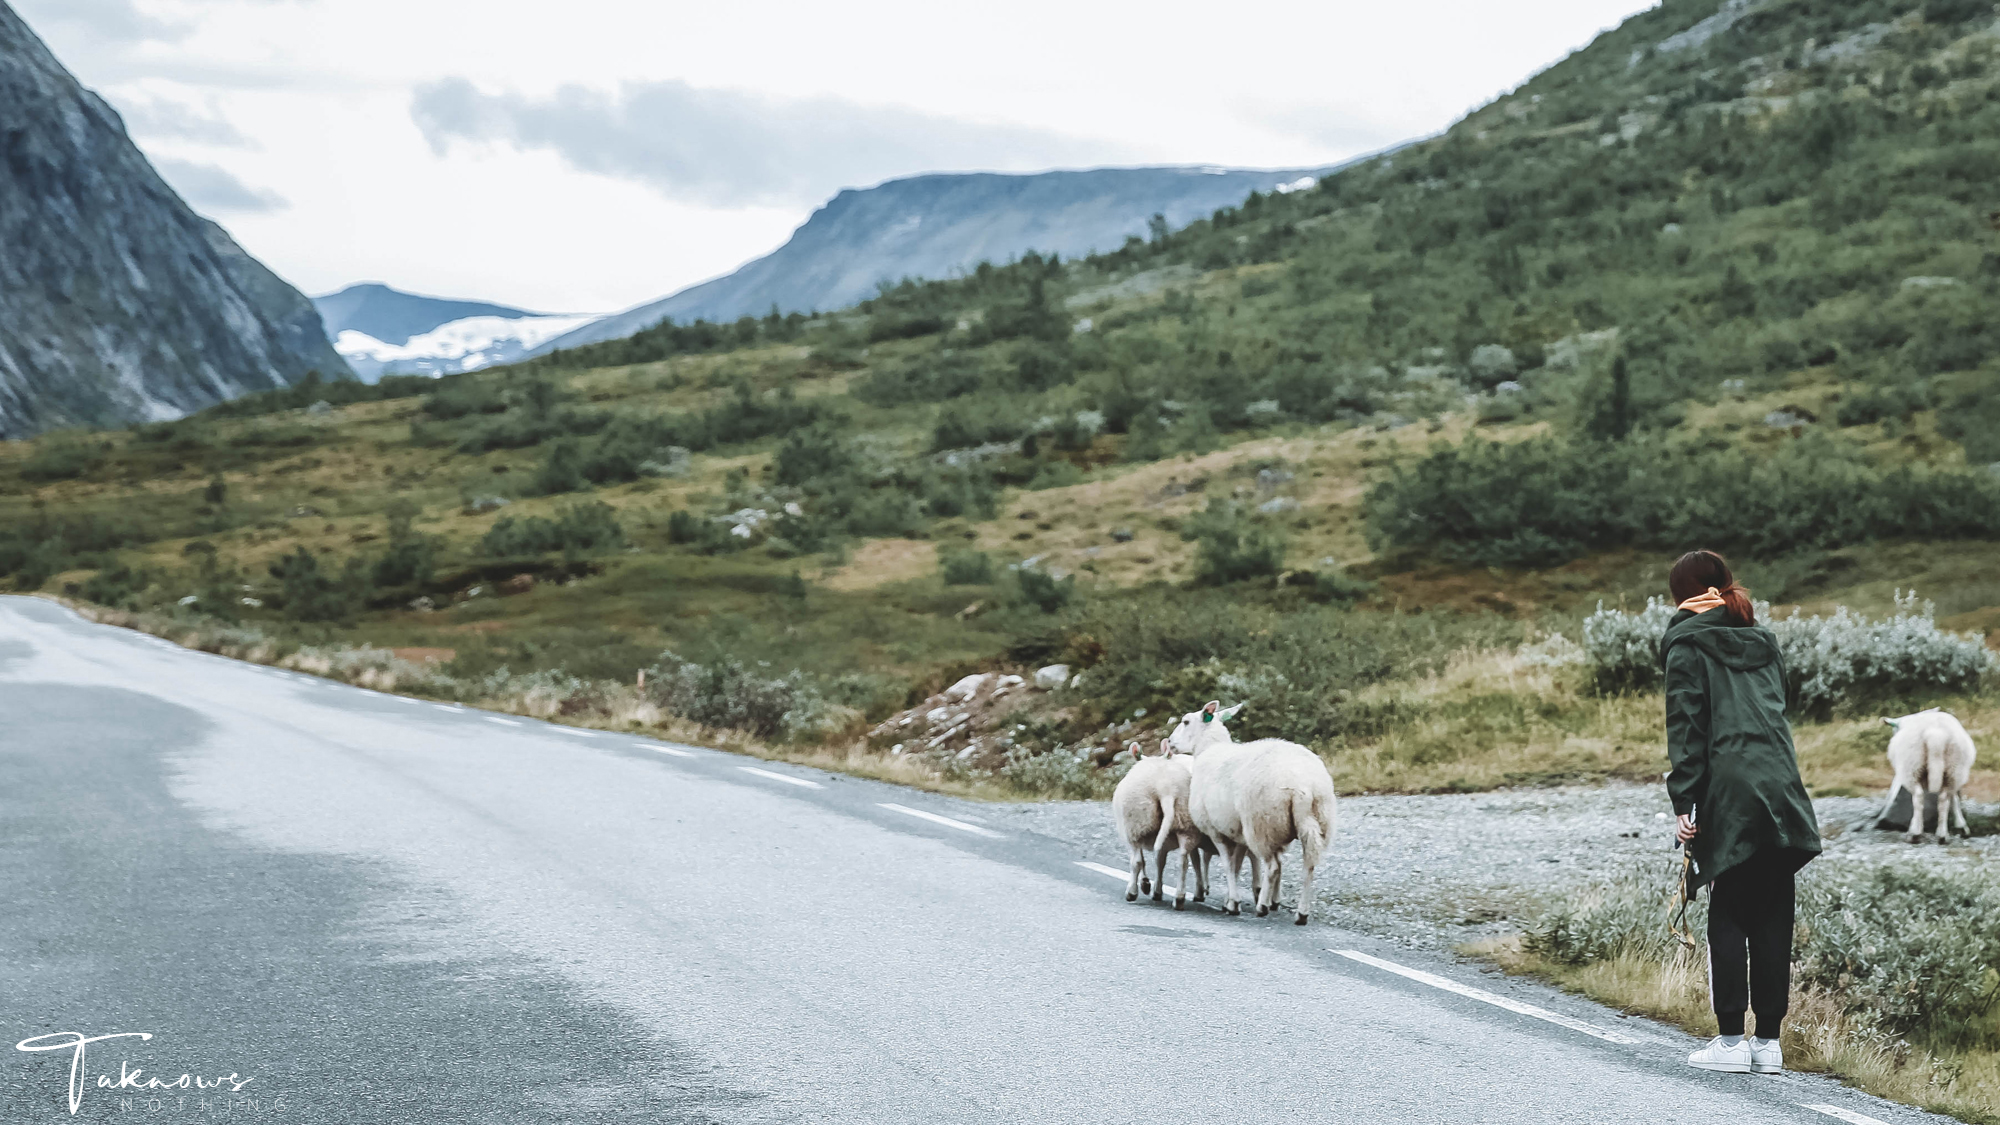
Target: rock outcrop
x,y
117,302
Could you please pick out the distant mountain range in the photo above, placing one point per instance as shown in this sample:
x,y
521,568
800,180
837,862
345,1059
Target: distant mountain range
x,y
383,331
934,226
118,303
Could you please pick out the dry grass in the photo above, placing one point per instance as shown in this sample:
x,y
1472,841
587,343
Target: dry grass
x,y
1819,1037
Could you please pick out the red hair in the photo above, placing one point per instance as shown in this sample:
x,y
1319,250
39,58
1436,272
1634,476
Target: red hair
x,y
1699,571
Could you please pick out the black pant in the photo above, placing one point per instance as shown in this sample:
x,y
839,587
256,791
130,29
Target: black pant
x,y
1750,918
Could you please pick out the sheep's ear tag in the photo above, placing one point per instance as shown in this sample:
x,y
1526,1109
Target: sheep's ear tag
x,y
1894,724
1208,716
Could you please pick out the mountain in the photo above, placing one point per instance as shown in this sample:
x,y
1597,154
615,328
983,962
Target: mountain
x,y
383,331
938,225
117,302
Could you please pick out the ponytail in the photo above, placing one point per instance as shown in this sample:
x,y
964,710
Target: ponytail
x,y
1737,600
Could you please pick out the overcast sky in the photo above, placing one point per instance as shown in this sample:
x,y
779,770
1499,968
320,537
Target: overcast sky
x,y
587,155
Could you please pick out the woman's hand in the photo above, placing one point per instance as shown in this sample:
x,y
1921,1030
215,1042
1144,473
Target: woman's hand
x,y
1684,829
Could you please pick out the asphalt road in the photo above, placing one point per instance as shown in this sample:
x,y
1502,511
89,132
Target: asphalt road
x,y
379,910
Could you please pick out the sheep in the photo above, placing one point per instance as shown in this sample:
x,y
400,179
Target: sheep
x,y
1255,798
1931,753
1151,808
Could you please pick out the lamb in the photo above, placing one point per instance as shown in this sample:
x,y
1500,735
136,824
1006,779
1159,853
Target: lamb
x,y
1931,753
1151,807
1255,798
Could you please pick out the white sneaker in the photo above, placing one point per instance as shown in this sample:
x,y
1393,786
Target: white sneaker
x,y
1723,1057
1766,1057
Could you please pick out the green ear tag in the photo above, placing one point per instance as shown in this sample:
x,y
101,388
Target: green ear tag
x,y
1208,716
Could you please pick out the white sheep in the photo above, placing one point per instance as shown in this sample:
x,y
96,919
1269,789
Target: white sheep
x,y
1931,753
1151,808
1254,799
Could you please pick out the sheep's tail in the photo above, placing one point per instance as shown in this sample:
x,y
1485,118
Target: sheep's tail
x,y
1937,755
1311,832
1164,842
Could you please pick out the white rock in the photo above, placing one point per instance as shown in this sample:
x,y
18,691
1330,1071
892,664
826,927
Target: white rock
x,y
937,715
969,686
1052,677
189,600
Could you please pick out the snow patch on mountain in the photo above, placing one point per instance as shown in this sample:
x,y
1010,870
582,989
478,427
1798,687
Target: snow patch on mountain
x,y
460,345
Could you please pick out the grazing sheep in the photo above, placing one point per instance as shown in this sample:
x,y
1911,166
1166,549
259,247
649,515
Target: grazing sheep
x,y
1931,753
1151,807
1255,798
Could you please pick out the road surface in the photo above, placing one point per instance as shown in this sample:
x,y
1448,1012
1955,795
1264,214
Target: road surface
x,y
371,909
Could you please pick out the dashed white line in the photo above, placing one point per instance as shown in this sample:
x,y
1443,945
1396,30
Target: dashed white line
x,y
575,733
501,721
1485,997
680,753
780,777
408,700
1123,876
944,820
1847,1115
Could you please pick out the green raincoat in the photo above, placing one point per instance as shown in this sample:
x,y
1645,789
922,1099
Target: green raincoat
x,y
1730,745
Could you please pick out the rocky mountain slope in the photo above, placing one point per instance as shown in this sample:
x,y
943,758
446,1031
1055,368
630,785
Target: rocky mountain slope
x,y
117,302
382,331
938,225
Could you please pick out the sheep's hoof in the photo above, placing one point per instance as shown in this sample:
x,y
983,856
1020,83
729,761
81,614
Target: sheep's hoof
x,y
1201,896
1299,921
1145,886
1180,903
1131,896
1157,896
1915,838
1262,910
1233,909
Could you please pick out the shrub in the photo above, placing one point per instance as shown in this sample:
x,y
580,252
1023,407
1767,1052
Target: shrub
x,y
1828,660
1044,591
411,557
308,593
577,528
967,568
1910,948
117,586
61,459
1230,548
1906,948
726,694
1058,772
1548,500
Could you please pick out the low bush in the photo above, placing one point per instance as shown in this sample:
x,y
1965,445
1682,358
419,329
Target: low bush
x,y
726,694
966,568
1844,658
577,529
1230,548
1042,590
61,459
1905,948
1548,500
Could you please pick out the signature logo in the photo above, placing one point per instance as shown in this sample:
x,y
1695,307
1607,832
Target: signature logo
x,y
129,1077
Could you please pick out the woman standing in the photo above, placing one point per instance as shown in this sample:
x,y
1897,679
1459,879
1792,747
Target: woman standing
x,y
1742,807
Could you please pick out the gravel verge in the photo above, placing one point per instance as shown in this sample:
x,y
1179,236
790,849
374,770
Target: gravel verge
x,y
1437,872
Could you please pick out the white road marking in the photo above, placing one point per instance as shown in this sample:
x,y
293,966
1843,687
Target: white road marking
x,y
408,700
944,820
680,753
575,733
1847,1115
1485,997
1123,876
779,777
501,721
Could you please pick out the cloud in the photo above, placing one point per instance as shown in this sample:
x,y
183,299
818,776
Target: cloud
x,y
210,189
118,21
726,148
160,119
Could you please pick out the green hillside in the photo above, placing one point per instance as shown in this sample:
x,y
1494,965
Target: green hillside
x,y
1722,277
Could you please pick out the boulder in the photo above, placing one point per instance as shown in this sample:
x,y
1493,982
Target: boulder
x,y
1052,677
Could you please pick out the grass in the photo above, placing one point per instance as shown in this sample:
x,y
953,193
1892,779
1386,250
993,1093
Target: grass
x,y
1818,1036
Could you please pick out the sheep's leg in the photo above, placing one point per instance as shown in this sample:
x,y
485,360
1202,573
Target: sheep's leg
x,y
1202,856
1269,866
1138,872
1232,858
1940,783
1958,807
1275,877
1919,797
1162,844
1180,888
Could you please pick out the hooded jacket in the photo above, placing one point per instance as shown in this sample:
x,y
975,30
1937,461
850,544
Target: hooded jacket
x,y
1733,761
